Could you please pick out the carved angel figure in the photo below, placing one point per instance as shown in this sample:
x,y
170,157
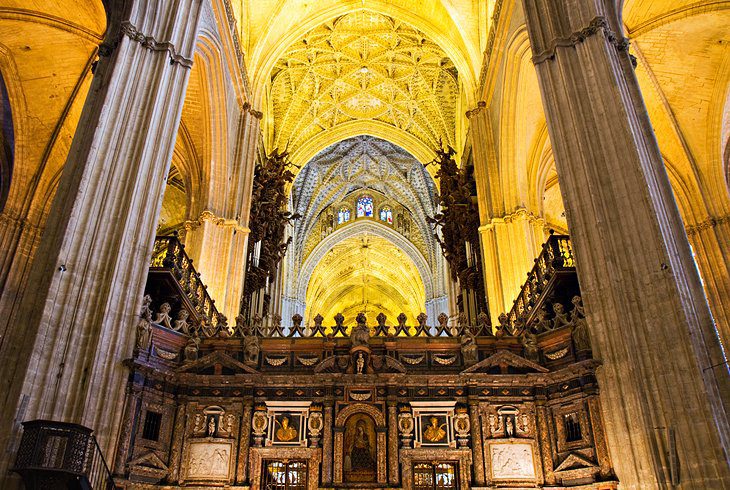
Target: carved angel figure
x,y
580,335
163,316
561,317
251,349
542,324
529,342
181,323
144,330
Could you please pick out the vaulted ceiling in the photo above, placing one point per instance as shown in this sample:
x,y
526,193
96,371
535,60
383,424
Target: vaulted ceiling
x,y
363,71
365,274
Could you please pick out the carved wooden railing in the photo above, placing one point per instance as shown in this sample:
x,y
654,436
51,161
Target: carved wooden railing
x,y
61,455
168,253
555,258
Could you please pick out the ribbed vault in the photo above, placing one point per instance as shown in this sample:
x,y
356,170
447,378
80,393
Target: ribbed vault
x,y
363,66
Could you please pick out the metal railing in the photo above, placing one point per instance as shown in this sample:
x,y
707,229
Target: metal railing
x,y
169,253
54,454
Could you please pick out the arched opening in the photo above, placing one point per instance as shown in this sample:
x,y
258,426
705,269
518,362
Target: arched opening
x,y
7,143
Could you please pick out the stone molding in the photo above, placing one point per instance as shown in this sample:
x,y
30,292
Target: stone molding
x,y
596,25
710,222
257,114
208,215
519,214
149,42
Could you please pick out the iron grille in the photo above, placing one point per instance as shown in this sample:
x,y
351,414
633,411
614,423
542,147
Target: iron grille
x,y
284,475
435,475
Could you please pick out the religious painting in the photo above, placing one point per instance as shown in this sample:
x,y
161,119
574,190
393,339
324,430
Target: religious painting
x,y
287,427
359,458
434,429
365,207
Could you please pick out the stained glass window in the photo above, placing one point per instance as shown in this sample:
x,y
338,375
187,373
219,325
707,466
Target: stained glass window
x,y
365,207
386,214
343,216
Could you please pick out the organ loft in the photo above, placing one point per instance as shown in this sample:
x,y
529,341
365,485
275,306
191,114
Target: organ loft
x,y
372,244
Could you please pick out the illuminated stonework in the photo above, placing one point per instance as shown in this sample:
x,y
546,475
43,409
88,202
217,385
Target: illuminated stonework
x,y
364,66
365,273
335,179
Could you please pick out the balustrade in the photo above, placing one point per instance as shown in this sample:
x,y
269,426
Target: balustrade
x,y
169,255
61,455
554,263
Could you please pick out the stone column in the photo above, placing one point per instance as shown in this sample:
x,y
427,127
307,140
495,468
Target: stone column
x,y
216,244
217,241
711,243
509,246
393,442
599,437
125,435
477,443
650,325
327,444
544,440
178,437
91,266
244,440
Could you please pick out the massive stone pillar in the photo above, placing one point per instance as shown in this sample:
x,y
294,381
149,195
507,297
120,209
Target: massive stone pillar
x,y
327,443
509,246
77,324
664,376
711,243
510,238
217,242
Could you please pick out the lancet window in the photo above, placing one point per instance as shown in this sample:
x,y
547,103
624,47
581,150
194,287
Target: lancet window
x,y
386,214
365,207
343,216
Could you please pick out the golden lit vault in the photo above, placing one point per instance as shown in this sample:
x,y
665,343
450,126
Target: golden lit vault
x,y
365,274
363,73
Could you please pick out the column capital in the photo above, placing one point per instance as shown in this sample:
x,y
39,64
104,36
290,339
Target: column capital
x,y
479,108
596,25
709,222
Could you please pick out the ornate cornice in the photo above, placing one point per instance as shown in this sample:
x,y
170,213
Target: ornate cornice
x,y
473,112
710,222
216,220
148,42
596,25
520,214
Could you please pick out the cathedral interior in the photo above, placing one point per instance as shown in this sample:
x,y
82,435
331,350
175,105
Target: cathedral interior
x,y
364,244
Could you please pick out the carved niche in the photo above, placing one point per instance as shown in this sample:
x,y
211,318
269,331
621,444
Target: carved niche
x,y
360,442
